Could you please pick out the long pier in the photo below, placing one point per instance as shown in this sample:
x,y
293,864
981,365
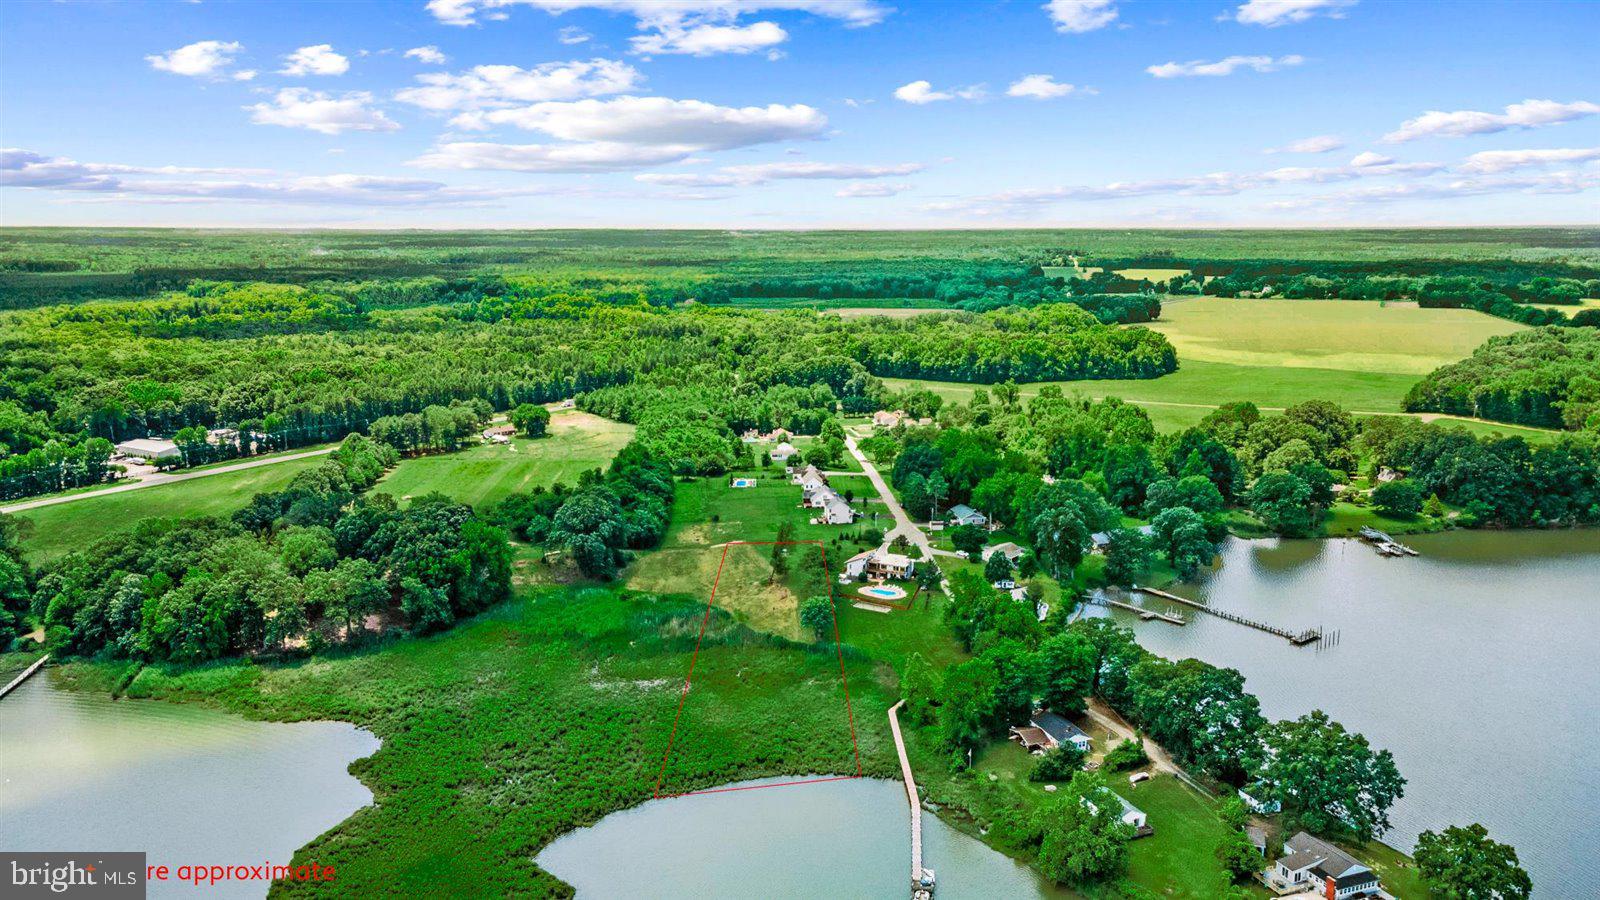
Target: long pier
x,y
1141,612
1297,638
17,681
921,879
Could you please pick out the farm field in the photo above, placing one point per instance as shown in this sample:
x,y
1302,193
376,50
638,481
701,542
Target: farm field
x,y
50,531
485,474
1346,335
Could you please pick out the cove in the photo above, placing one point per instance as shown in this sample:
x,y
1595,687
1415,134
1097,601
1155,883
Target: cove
x,y
1474,663
185,784
839,839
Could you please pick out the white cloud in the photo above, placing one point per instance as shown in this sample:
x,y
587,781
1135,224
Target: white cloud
x,y
1079,16
1215,184
499,86
1227,66
245,75
763,173
1273,13
568,158
318,59
1370,159
1491,161
871,189
429,54
661,122
1039,87
1527,114
652,12
26,169
709,40
202,59
1322,143
572,34
321,112
922,92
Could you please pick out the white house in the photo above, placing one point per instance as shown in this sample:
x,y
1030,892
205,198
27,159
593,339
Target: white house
x,y
150,448
886,419
1012,551
1046,731
880,564
962,514
1322,867
1131,815
1251,797
816,494
782,452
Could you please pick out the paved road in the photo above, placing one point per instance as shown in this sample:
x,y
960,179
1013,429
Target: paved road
x,y
153,480
903,526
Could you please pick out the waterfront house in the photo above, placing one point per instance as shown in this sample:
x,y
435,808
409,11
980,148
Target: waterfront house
x,y
1313,864
1131,815
1032,739
1252,794
879,564
962,514
1101,539
1059,729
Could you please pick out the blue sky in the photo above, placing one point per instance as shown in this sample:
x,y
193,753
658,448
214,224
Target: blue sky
x,y
799,113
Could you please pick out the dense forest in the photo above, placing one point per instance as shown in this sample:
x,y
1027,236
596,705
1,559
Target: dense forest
x,y
287,366
1549,377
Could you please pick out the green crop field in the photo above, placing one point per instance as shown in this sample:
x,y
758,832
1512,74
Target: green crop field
x,y
1276,353
1345,335
482,475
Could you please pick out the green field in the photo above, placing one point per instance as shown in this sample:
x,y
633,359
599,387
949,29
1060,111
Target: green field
x,y
484,474
1343,335
1276,353
50,531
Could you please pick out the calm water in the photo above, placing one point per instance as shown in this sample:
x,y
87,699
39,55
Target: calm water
x,y
1475,664
184,784
841,839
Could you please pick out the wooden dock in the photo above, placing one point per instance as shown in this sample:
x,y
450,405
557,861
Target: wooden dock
x,y
921,879
1297,638
1141,612
17,681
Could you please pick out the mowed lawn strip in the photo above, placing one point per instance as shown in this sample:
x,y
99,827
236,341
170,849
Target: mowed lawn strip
x,y
51,531
483,475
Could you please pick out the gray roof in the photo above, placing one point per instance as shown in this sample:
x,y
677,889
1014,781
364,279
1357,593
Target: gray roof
x,y
1057,726
1305,850
962,511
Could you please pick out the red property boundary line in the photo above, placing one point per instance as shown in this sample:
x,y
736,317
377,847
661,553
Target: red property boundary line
x,y
683,695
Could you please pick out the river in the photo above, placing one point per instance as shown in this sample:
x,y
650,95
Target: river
x,y
842,839
1475,664
185,784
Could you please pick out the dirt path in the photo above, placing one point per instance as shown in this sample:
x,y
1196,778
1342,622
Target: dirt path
x,y
153,480
1107,718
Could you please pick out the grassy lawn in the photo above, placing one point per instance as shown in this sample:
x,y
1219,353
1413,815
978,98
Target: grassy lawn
x,y
50,531
893,635
1347,519
485,474
1179,860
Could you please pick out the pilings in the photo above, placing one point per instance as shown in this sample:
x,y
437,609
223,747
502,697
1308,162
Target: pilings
x,y
1297,638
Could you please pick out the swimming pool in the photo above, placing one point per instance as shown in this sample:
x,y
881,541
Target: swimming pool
x,y
884,591
744,482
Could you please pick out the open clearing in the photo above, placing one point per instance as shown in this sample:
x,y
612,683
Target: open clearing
x,y
483,475
1348,335
479,476
1276,353
745,588
50,531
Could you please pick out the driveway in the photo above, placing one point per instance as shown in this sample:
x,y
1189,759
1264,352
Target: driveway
x,y
153,480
